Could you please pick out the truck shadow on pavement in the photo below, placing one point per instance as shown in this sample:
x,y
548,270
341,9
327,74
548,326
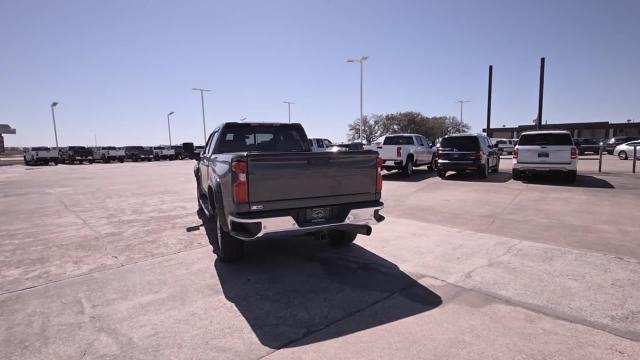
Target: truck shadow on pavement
x,y
582,181
418,175
297,291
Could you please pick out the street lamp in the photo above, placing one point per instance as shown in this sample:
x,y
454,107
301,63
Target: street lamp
x,y
204,126
289,104
169,126
53,115
361,62
461,102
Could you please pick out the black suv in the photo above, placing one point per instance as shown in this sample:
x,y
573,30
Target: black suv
x,y
180,154
467,152
618,140
587,145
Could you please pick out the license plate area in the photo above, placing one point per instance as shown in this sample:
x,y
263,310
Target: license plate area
x,y
319,214
544,155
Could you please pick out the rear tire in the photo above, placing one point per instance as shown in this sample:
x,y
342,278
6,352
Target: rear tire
x,y
229,247
483,172
497,167
622,155
341,238
441,173
515,174
432,164
407,169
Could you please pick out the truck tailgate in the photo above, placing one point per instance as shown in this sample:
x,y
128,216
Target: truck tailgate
x,y
297,176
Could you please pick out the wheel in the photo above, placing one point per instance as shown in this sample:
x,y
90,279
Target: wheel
x,y
149,159
432,164
90,161
55,162
515,174
407,170
441,173
121,160
571,176
622,155
497,167
229,247
80,161
483,172
341,238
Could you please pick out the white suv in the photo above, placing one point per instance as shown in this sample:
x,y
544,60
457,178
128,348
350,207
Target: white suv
x,y
545,151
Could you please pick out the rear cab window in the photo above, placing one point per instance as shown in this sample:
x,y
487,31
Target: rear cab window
x,y
398,140
262,138
545,139
460,143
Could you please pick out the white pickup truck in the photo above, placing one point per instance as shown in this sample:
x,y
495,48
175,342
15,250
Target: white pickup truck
x,y
107,154
164,153
41,155
403,152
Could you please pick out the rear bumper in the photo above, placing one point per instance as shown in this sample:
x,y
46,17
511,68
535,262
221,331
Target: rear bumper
x,y
457,165
358,220
573,166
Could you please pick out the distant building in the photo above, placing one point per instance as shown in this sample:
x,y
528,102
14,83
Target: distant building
x,y
5,129
597,130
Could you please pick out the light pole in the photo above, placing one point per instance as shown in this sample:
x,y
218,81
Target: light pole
x,y
289,103
204,126
169,126
361,62
53,115
461,105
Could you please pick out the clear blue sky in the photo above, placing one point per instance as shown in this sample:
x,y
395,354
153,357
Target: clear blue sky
x,y
118,67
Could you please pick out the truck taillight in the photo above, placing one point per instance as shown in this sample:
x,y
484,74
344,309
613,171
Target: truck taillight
x,y
240,183
574,153
379,163
514,153
399,151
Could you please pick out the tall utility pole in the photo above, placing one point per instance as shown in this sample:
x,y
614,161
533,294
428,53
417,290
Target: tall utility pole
x,y
289,103
53,115
360,61
461,102
489,100
540,95
169,125
204,125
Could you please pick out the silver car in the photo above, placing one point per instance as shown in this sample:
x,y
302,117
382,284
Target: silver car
x,y
625,151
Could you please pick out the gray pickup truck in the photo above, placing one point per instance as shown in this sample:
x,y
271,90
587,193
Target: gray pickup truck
x,y
261,180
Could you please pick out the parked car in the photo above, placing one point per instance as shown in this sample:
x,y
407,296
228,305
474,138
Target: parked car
x,y
107,154
163,153
179,152
467,152
403,152
317,144
504,146
71,154
138,153
355,146
260,180
41,155
610,146
586,145
545,151
625,151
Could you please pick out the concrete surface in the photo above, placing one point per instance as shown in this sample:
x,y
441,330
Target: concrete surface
x,y
109,261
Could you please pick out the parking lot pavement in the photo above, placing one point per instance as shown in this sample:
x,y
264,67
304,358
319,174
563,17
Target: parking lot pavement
x,y
108,261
